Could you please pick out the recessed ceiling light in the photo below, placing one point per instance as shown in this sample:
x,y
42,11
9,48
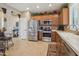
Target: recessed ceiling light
x,y
27,8
37,6
50,5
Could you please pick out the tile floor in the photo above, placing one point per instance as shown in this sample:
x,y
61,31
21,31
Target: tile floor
x,y
28,48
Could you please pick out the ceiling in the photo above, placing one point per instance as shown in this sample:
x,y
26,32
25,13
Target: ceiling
x,y
42,7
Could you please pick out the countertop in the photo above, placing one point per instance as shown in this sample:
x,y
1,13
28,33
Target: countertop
x,y
71,39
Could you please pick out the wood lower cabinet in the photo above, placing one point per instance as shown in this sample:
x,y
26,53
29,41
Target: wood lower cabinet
x,y
53,35
56,44
62,48
40,35
67,50
58,41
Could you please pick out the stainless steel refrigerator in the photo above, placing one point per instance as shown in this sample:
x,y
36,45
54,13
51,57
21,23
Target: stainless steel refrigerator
x,y
33,30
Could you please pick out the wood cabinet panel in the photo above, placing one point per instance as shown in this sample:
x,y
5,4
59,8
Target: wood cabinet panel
x,y
58,40
53,37
64,16
40,35
44,17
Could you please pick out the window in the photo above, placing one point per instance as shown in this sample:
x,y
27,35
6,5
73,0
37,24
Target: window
x,y
74,16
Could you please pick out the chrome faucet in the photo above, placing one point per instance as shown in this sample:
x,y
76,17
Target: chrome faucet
x,y
76,31
73,26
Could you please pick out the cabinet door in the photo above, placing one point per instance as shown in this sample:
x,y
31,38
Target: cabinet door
x,y
65,16
40,35
58,40
63,53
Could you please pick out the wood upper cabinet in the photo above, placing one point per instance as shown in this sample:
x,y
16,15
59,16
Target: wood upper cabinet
x,y
54,19
44,17
64,16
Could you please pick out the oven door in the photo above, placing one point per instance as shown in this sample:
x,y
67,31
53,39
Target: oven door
x,y
46,36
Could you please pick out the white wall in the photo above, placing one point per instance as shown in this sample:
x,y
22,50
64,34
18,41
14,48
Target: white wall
x,y
78,13
70,14
23,25
11,20
1,18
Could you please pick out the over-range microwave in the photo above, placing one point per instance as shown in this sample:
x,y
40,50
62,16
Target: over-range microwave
x,y
46,22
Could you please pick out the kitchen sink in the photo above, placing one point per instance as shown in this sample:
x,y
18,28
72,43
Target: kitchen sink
x,y
74,32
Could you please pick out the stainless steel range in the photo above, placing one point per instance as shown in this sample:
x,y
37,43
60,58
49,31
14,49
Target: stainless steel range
x,y
46,27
